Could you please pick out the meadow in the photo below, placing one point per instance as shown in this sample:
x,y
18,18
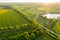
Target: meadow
x,y
19,22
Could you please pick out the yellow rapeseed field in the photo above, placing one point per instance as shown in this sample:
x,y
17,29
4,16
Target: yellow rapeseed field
x,y
3,11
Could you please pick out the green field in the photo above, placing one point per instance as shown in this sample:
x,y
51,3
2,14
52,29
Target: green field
x,y
26,23
12,19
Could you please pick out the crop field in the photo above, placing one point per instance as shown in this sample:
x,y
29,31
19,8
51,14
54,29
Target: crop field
x,y
11,18
26,23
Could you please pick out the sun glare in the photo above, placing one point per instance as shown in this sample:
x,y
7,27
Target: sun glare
x,y
44,1
49,1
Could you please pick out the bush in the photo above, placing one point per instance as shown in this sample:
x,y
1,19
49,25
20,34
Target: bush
x,y
17,26
2,28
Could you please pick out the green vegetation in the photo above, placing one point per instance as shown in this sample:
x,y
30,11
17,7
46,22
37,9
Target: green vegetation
x,y
26,23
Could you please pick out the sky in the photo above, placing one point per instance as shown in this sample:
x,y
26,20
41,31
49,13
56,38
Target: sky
x,y
45,1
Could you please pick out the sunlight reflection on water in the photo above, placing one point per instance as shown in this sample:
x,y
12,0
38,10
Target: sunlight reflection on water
x,y
52,16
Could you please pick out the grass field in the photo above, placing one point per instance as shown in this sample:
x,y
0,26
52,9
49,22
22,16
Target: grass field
x,y
26,23
34,13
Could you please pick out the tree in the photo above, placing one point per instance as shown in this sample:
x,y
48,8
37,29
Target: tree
x,y
17,26
2,28
11,27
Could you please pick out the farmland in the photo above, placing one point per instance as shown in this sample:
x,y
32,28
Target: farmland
x,y
25,22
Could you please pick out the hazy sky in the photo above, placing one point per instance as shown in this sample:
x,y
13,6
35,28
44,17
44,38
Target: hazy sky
x,y
46,1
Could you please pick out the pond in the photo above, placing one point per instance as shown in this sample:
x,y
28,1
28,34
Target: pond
x,y
51,16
